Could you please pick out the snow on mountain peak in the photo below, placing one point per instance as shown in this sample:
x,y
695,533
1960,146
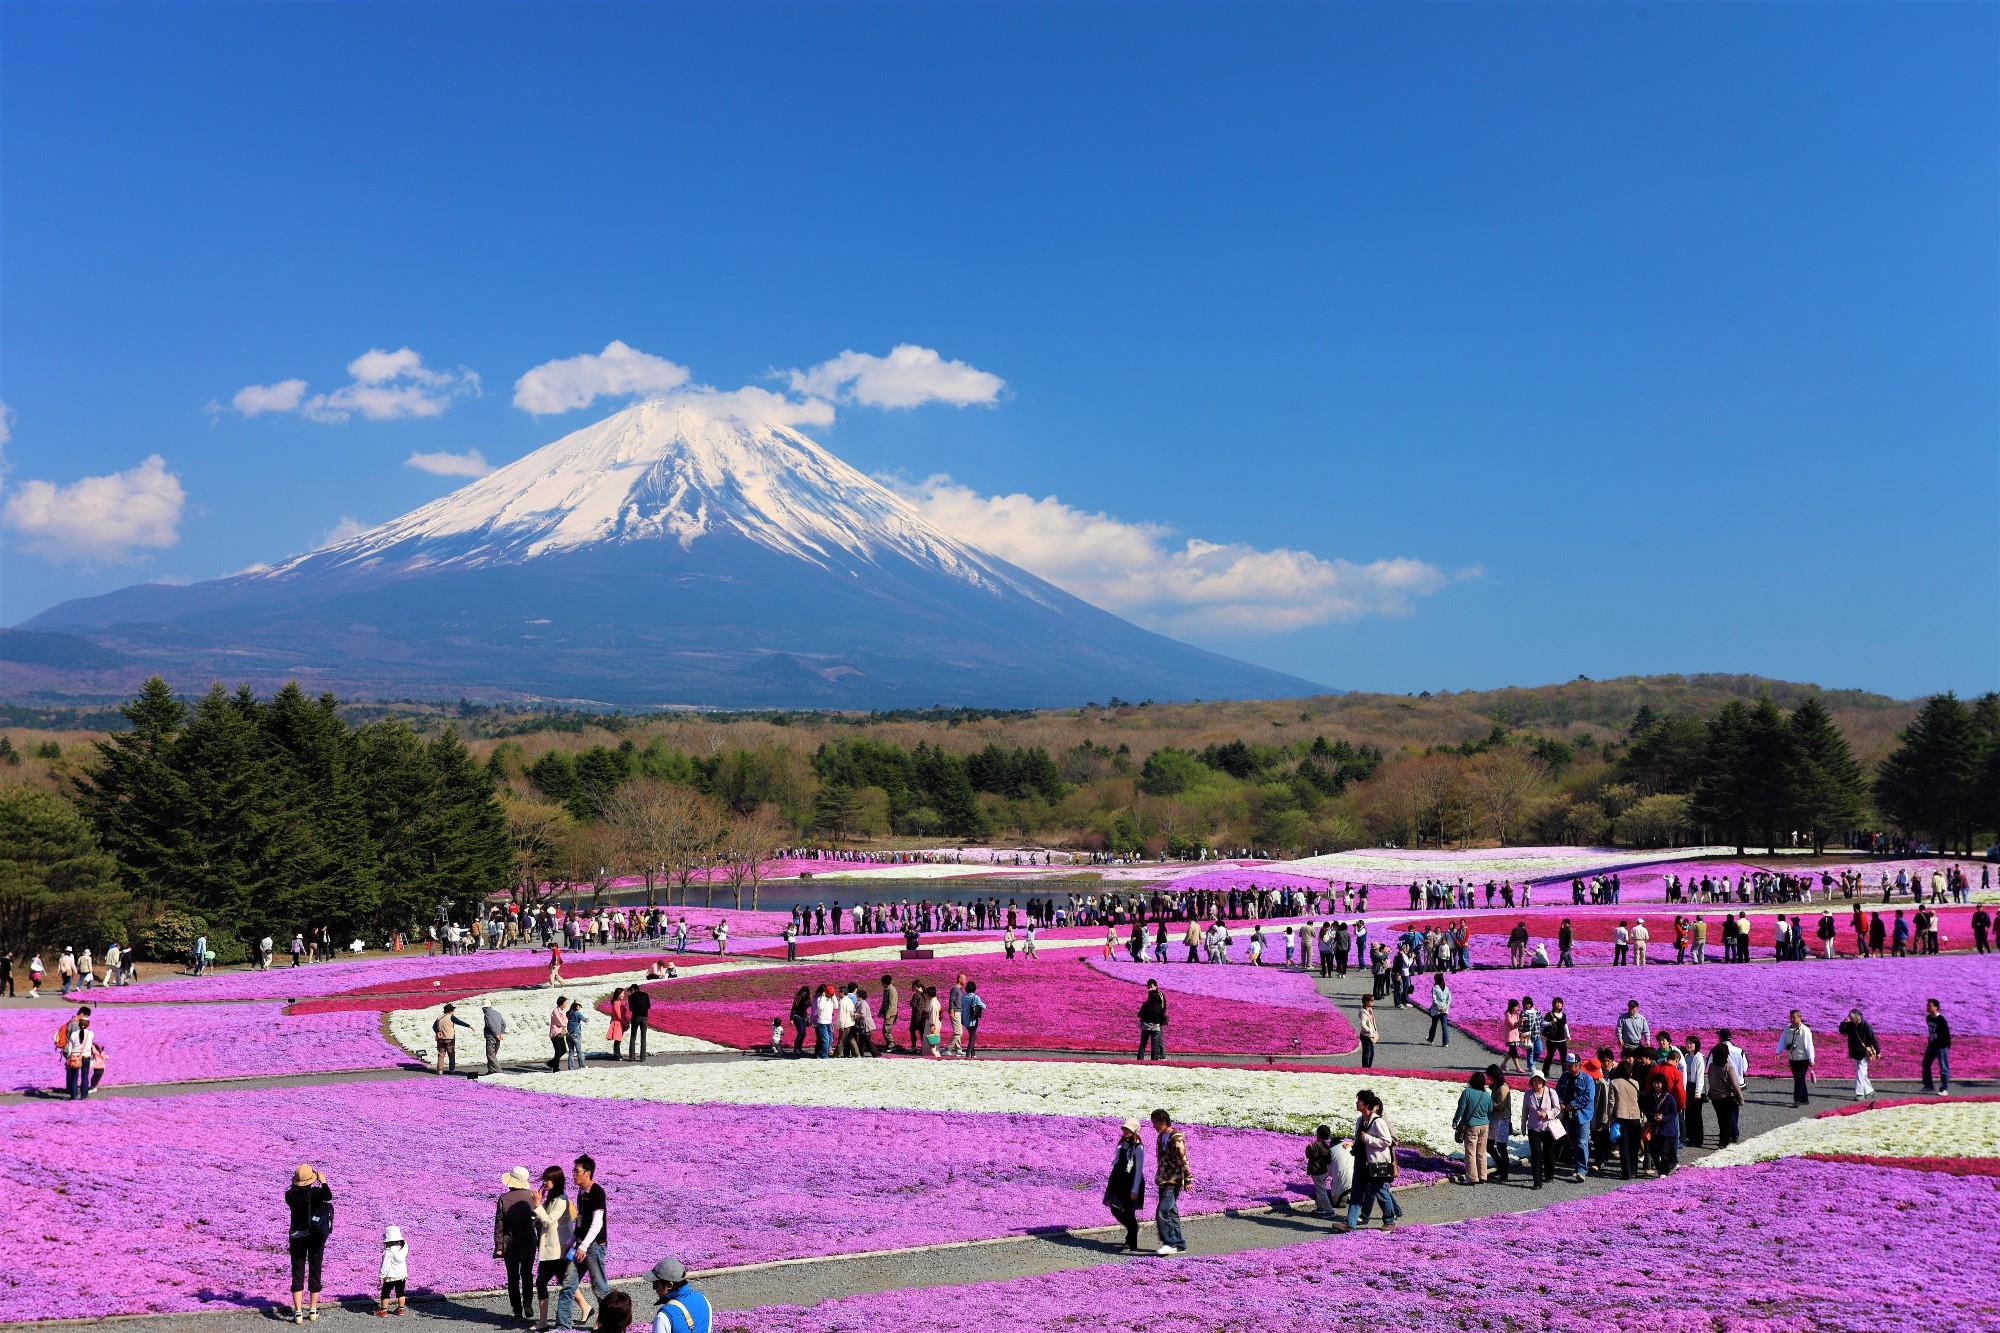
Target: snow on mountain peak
x,y
667,469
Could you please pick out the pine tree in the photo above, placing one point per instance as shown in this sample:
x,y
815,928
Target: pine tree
x,y
1827,789
230,871
475,855
1766,779
1720,801
1929,783
330,874
135,798
400,800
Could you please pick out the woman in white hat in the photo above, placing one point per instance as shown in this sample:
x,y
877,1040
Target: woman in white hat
x,y
1125,1191
515,1237
395,1272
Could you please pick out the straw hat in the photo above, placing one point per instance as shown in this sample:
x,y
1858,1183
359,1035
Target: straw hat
x,y
517,1179
303,1175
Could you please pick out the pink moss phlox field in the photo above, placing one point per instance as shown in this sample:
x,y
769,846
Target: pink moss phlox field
x,y
1049,1003
1753,1000
1600,924
185,1208
174,1043
1950,1166
1271,985
1887,1103
420,992
1639,1260
285,982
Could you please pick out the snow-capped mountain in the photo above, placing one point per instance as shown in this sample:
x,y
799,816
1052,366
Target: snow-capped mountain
x,y
664,556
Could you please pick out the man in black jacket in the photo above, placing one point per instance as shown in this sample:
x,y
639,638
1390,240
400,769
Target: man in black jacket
x,y
1937,1047
635,1034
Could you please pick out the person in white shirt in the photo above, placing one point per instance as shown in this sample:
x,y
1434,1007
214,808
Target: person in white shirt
x,y
264,947
1639,937
113,958
824,1009
1795,1043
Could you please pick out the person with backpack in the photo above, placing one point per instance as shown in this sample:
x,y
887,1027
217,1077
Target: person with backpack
x,y
971,1010
1319,1169
77,1046
309,1201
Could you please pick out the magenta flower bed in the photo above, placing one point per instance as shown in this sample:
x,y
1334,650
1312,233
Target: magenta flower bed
x,y
423,992
1753,1000
1051,1003
173,1043
285,982
1600,924
185,1208
1639,1260
1274,986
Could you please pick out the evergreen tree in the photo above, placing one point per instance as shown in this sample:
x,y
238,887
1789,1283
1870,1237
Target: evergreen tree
x,y
1930,782
1765,781
1720,801
400,801
331,874
475,854
134,797
237,846
1827,789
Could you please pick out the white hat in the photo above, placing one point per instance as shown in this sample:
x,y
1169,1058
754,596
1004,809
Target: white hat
x,y
517,1179
392,1235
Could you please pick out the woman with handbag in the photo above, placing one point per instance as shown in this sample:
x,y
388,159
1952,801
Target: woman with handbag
x,y
1125,1191
1374,1151
309,1200
1862,1047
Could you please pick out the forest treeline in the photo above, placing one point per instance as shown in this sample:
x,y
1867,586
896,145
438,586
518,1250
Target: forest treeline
x,y
253,816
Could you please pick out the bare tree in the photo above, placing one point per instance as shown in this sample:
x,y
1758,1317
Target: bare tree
x,y
1505,782
646,816
696,833
538,830
750,841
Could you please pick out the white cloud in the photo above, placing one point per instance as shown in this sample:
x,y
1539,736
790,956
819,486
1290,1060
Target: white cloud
x,y
387,386
753,406
908,377
1147,572
471,463
618,371
107,518
284,396
348,526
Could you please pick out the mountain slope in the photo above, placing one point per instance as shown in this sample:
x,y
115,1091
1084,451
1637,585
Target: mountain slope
x,y
661,557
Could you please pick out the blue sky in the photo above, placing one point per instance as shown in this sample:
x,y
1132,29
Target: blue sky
x,y
1654,338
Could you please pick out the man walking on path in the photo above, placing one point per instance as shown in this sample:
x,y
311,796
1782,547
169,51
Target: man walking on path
x,y
593,1235
890,1008
1170,1177
446,1032
495,1024
641,1005
1795,1043
1937,1046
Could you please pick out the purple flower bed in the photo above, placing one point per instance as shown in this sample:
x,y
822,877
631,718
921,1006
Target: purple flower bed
x,y
285,982
172,1043
1272,986
161,1204
1753,999
1640,1260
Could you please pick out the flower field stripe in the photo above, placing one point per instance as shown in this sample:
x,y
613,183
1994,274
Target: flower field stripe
x,y
1951,1166
1928,1129
1285,1101
175,1043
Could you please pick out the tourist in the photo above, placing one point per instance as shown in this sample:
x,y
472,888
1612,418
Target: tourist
x,y
682,1308
1368,1031
1542,1118
1862,1047
1554,1037
593,1235
956,1001
639,1008
1374,1166
1170,1177
555,1234
559,1033
826,1008
298,949
1532,1025
1937,1047
1694,1069
78,1046
1125,1191
1663,1123
573,1032
35,974
1510,1023
1470,1122
621,1013
1565,945
517,1236
1795,1043
1500,1123
1621,944
1627,1118
1725,1090
1634,1032
1640,937
555,966
445,1031
1319,1169
1578,1092
1440,1012
309,1200
971,1009
615,1314
395,1272
891,1007
66,971
933,1023
1153,1023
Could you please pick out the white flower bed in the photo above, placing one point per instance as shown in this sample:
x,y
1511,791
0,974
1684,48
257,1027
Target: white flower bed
x,y
527,1014
1419,1109
1927,1129
1397,865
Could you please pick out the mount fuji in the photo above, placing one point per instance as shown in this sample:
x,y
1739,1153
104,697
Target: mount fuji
x,y
665,556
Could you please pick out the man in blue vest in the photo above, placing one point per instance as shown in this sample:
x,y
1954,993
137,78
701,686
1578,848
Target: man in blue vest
x,y
682,1308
